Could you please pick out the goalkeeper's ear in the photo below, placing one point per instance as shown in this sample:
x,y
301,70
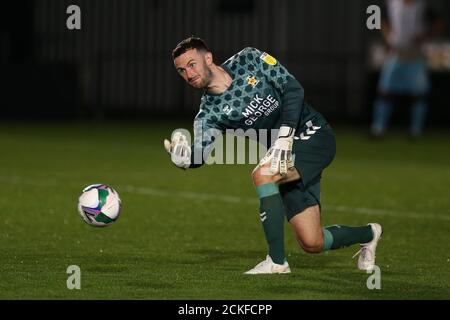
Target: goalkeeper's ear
x,y
167,145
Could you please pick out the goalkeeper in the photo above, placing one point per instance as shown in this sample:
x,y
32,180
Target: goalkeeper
x,y
252,90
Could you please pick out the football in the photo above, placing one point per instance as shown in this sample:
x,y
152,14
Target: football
x,y
99,205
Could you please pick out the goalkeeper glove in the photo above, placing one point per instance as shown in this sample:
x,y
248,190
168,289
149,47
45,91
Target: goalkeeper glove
x,y
281,151
179,150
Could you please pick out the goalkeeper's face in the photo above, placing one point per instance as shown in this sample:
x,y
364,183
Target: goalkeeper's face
x,y
194,67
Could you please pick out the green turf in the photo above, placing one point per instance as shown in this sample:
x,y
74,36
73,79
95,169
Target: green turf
x,y
191,234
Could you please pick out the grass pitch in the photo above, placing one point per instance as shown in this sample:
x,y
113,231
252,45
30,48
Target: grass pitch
x,y
191,234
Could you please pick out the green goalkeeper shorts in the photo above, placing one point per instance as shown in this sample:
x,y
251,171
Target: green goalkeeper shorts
x,y
314,148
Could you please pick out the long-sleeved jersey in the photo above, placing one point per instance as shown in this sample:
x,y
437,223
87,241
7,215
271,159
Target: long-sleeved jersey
x,y
262,95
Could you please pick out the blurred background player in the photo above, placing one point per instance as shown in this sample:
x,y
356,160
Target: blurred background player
x,y
252,90
407,24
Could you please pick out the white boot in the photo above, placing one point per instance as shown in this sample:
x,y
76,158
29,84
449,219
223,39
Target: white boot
x,y
366,260
268,266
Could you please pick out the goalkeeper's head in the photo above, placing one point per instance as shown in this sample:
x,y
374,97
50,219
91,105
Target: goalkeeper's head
x,y
193,61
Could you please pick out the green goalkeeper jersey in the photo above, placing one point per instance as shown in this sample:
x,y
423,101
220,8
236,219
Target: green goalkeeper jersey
x,y
262,95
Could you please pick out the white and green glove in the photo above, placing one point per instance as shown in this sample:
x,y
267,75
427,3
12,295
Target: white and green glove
x,y
179,150
281,151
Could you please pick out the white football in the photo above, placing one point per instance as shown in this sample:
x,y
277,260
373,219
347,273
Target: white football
x,y
99,205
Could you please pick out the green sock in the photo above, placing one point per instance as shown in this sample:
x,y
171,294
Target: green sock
x,y
337,236
272,218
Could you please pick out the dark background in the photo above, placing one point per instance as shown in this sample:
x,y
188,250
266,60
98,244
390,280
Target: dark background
x,y
119,64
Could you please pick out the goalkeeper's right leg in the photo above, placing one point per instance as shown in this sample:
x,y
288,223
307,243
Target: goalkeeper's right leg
x,y
272,215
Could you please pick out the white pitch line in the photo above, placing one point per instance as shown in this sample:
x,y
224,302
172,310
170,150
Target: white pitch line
x,y
27,181
382,212
233,199
189,195
254,201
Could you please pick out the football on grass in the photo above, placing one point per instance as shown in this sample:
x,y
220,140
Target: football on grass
x,y
99,205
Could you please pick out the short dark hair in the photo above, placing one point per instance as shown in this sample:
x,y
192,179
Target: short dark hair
x,y
188,44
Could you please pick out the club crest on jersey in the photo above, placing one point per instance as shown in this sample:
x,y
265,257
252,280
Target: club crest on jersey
x,y
251,80
267,58
227,110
